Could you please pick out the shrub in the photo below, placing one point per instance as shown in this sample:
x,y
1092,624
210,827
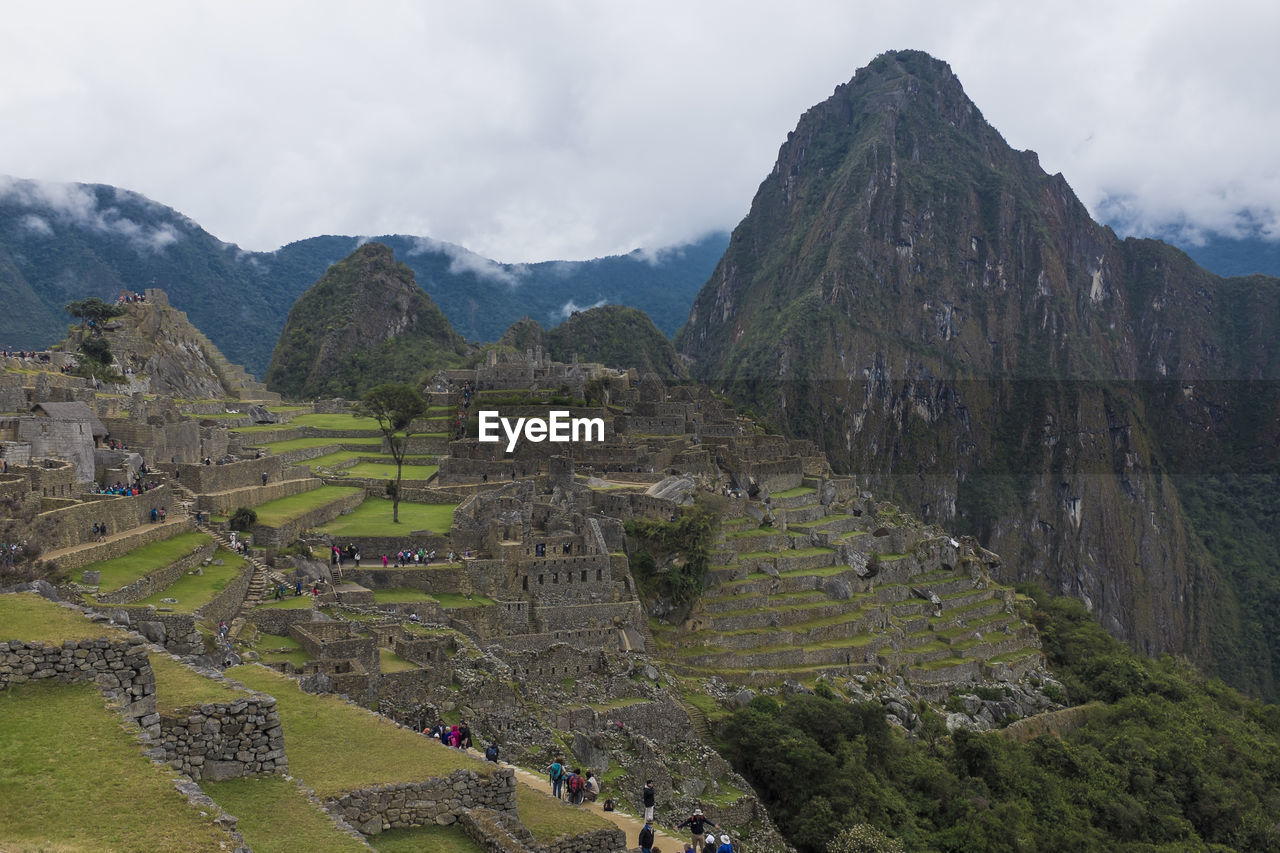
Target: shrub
x,y
243,519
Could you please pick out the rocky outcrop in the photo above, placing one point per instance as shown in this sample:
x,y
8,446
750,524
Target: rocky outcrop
x,y
945,319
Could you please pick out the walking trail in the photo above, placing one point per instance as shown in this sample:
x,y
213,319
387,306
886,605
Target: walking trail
x,y
627,823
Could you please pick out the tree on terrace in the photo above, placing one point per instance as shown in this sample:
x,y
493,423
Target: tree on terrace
x,y
395,407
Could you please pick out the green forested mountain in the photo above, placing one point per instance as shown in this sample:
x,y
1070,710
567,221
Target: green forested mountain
x,y
365,322
616,336
65,242
947,321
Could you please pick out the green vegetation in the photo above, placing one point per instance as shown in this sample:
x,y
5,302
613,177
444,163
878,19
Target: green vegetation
x,y
1169,761
437,839
243,519
194,591
373,518
277,512
387,471
336,747
338,422
365,321
616,336
177,686
389,661
684,543
124,570
290,444
394,408
27,616
276,817
72,779
548,818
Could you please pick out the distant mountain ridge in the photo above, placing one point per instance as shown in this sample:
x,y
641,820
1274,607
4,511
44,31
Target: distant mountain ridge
x,y
65,242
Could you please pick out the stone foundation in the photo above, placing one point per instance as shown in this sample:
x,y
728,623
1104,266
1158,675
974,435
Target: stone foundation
x,y
225,740
431,801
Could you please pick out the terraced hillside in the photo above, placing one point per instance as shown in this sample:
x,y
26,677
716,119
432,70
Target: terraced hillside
x,y
838,590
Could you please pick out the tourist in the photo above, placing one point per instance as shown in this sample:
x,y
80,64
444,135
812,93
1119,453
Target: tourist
x,y
464,736
726,846
593,787
709,844
648,797
491,752
697,823
556,774
357,559
384,561
646,837
297,588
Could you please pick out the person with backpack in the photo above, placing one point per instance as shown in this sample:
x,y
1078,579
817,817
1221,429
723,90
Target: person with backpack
x,y
646,838
576,785
556,774
491,752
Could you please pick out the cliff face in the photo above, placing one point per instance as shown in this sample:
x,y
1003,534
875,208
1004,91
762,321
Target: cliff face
x,y
948,323
364,322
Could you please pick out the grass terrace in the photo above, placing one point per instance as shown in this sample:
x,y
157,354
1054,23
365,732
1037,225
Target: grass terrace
x,y
195,591
795,493
277,649
282,510
437,839
387,471
401,595
27,616
338,422
389,661
336,747
178,686
124,570
72,779
548,818
290,444
290,601
276,817
373,518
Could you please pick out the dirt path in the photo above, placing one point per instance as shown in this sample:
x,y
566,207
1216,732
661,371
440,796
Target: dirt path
x,y
627,823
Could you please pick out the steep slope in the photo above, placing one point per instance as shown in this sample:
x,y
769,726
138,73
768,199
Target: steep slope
x,y
364,322
65,242
616,336
946,320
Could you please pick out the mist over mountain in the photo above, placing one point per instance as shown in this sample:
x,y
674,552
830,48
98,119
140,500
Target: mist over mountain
x,y
65,242
948,323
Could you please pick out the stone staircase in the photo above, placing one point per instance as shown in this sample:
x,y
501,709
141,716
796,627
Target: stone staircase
x,y
797,601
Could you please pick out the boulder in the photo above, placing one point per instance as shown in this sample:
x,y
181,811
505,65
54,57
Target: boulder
x,y
261,415
838,588
153,631
828,494
91,578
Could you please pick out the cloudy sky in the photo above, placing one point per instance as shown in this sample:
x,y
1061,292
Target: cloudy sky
x,y
541,130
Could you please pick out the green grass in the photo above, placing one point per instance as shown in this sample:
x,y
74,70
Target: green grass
x,y
124,570
259,428
195,591
289,444
389,661
548,818
373,518
178,686
437,839
338,422
335,747
27,616
276,817
283,510
387,471
71,778
794,493
400,595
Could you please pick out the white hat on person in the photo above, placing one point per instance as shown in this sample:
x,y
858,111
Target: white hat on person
x,y
711,839
724,839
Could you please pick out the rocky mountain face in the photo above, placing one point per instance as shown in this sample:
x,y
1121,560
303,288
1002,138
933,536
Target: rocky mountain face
x,y
947,322
364,322
65,242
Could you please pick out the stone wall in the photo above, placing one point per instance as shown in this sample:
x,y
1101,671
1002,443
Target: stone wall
x,y
626,505
108,550
226,603
176,632
494,833
431,801
50,478
73,525
233,475
276,621
226,503
225,740
278,537
119,668
161,578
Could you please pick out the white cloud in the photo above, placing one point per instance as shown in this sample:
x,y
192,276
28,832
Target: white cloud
x,y
530,132
465,261
37,225
77,205
570,307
